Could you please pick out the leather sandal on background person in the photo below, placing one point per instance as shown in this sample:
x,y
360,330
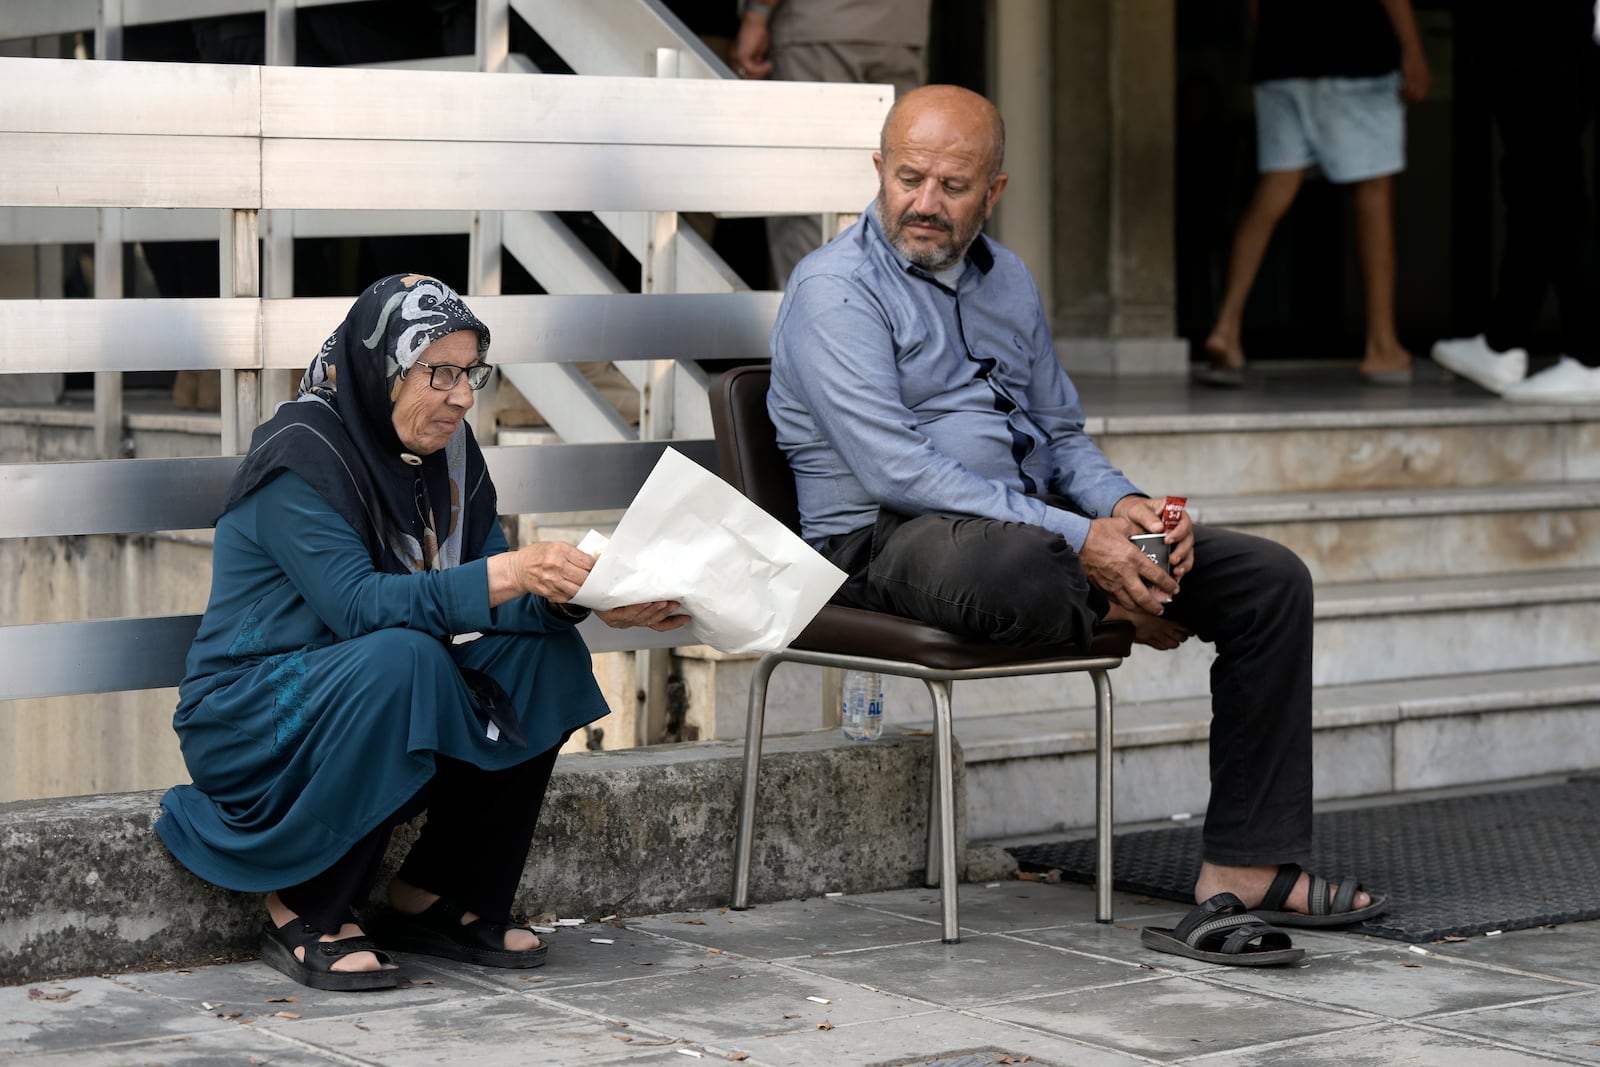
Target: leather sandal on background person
x,y
1324,910
1222,930
316,970
437,930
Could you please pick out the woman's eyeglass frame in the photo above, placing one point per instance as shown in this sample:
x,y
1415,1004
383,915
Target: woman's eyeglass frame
x,y
477,374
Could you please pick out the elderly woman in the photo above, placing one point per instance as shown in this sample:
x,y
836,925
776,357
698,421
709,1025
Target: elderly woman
x,y
325,701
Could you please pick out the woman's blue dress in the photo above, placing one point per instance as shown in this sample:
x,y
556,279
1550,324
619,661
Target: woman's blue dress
x,y
319,689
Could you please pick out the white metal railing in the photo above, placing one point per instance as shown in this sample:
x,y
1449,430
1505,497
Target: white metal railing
x,y
601,37
130,140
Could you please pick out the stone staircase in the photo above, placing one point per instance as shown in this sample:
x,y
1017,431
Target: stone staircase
x,y
1455,542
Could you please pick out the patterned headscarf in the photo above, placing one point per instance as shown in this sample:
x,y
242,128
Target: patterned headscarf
x,y
413,513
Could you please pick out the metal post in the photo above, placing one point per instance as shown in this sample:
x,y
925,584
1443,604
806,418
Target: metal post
x,y
484,279
656,423
108,433
744,836
491,45
944,781
239,275
1102,794
493,42
277,227
280,33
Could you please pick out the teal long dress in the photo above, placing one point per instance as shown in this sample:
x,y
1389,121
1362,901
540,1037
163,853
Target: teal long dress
x,y
318,690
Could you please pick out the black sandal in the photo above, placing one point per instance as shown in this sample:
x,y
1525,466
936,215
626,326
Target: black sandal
x,y
1325,909
1222,930
438,931
277,950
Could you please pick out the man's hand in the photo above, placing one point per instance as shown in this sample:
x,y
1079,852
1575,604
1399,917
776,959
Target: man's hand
x,y
1121,571
1145,513
750,56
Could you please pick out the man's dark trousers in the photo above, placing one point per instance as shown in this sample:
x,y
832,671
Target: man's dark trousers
x,y
1023,585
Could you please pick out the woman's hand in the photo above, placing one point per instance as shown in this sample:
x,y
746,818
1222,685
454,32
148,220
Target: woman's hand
x,y
658,615
554,570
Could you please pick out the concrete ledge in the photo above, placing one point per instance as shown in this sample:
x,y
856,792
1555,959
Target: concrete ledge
x,y
86,886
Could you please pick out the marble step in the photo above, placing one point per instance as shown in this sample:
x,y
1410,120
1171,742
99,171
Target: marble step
x,y
1246,452
1365,632
1033,773
1370,534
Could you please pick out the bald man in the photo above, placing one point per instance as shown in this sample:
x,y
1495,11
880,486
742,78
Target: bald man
x,y
940,460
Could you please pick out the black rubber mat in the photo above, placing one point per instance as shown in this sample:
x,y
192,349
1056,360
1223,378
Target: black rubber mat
x,y
1457,866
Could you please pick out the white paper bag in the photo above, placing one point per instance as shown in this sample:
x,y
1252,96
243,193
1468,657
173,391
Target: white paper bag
x,y
748,583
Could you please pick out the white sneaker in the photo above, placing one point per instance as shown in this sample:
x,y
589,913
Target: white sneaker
x,y
1568,382
1474,360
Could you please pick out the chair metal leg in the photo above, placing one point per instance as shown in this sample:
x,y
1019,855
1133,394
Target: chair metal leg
x,y
744,839
944,787
1102,795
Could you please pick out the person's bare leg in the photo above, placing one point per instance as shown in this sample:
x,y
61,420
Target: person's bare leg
x,y
355,961
1374,201
408,899
1275,192
1250,884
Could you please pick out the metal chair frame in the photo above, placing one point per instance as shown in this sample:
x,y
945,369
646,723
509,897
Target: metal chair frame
x,y
842,637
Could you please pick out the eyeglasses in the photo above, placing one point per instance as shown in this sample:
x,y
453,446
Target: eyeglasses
x,y
444,376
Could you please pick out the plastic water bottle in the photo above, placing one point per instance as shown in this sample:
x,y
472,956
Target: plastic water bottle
x,y
861,710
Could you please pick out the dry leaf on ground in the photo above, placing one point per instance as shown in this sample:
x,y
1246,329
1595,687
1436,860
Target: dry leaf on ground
x,y
39,994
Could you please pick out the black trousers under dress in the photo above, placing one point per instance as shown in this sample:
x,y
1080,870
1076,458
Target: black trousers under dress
x,y
471,849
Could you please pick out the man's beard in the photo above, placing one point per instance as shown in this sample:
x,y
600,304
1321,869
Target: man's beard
x,y
937,258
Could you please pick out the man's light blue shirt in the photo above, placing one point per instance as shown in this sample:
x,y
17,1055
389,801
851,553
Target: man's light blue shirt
x,y
890,389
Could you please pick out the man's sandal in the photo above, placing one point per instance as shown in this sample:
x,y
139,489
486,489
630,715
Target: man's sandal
x,y
438,931
316,970
1326,909
1222,930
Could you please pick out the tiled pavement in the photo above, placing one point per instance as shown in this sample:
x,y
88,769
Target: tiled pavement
x,y
860,980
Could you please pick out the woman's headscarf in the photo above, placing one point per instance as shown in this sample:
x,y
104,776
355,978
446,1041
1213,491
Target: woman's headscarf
x,y
413,513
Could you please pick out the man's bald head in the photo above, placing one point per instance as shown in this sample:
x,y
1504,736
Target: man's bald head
x,y
939,173
959,110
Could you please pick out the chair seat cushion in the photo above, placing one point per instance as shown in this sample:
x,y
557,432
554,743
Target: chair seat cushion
x,y
852,631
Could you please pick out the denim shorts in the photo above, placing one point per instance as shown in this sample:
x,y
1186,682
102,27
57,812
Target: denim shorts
x,y
1351,128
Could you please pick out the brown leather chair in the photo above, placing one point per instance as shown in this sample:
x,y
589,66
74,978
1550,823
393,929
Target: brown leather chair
x,y
849,638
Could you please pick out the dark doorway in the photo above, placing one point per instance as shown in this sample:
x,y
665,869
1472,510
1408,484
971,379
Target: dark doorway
x,y
1307,302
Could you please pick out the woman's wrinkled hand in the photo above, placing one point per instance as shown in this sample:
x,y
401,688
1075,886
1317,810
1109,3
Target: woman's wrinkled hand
x,y
554,570
660,615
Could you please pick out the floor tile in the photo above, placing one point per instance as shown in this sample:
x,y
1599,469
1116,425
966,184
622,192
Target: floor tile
x,y
1567,951
980,969
1398,985
738,1001
940,1034
577,958
505,1030
82,1013
232,1045
1386,1045
1569,1026
789,928
1171,1017
1010,905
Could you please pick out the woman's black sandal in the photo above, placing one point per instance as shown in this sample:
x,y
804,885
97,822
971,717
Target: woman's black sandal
x,y
1222,930
438,931
277,950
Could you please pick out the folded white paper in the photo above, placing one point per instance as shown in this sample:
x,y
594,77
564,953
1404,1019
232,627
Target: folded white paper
x,y
746,581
